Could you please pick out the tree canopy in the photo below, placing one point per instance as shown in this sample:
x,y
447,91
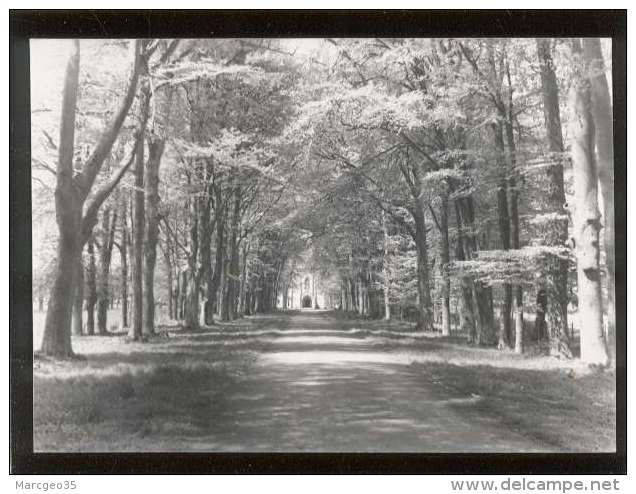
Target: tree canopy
x,y
434,180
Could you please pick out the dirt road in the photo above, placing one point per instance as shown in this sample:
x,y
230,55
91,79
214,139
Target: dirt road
x,y
318,387
301,381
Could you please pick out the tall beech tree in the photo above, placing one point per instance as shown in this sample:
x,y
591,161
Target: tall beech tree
x,y
494,75
145,223
603,132
91,288
503,219
57,334
123,247
587,218
138,210
78,303
72,191
156,146
109,225
552,297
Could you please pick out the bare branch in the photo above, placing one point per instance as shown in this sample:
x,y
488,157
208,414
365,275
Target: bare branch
x,y
50,140
94,163
430,207
185,250
44,166
89,218
419,149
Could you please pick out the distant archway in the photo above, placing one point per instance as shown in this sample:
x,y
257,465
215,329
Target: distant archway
x,y
307,301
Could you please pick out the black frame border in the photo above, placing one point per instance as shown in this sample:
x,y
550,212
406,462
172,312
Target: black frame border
x,y
26,24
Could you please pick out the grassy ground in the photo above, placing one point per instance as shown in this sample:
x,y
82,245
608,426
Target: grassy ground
x,y
293,382
573,412
119,393
560,402
113,322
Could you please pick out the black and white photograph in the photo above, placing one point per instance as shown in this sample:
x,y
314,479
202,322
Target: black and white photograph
x,y
324,244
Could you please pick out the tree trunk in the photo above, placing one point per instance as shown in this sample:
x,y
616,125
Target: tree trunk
x,y
314,294
205,251
170,278
468,324
443,223
175,296
91,284
170,294
123,252
247,309
70,194
234,283
224,299
108,227
552,298
234,257
183,284
192,305
503,217
219,254
78,304
425,321
481,295
387,305
587,224
514,226
138,235
244,283
103,272
385,273
139,218
259,289
486,334
57,335
353,295
603,118
542,307
151,188
56,341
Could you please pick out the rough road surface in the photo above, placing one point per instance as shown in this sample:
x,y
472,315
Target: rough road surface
x,y
302,381
318,387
